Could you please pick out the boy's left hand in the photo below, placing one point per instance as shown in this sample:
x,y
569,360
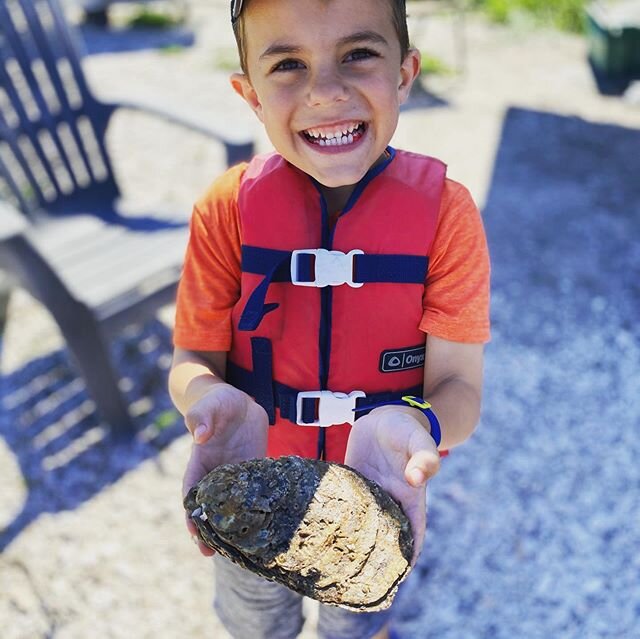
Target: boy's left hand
x,y
392,447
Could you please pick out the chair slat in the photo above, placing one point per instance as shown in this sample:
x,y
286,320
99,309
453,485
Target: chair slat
x,y
15,191
9,145
73,56
28,48
11,39
51,56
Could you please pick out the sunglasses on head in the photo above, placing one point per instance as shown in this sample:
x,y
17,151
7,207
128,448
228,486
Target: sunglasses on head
x,y
236,8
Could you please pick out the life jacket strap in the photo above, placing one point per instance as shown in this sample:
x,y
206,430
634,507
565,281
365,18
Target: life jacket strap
x,y
305,407
321,267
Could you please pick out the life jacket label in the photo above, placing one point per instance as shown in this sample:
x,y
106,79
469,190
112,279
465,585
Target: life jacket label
x,y
402,359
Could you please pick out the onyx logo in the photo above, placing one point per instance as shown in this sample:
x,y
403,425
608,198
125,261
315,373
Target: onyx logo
x,y
402,359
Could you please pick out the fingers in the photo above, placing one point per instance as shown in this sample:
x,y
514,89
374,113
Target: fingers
x,y
205,550
193,531
422,465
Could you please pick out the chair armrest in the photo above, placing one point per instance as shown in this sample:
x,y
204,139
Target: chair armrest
x,y
12,222
238,148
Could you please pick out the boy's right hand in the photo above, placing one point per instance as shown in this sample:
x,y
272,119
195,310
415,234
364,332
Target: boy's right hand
x,y
228,427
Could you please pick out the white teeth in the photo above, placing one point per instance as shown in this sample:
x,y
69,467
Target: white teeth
x,y
334,138
332,135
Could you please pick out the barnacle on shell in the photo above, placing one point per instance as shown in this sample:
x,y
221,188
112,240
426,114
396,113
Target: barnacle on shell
x,y
319,528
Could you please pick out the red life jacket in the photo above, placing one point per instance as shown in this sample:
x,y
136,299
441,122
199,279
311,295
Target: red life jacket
x,y
291,338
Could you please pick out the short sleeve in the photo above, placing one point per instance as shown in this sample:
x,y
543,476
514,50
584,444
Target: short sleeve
x,y
456,299
210,283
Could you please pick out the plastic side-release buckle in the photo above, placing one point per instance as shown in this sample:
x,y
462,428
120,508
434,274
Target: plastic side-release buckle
x,y
333,408
332,268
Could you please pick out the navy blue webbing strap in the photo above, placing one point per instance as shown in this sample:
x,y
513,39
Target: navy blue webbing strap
x,y
275,265
262,354
262,261
285,397
399,269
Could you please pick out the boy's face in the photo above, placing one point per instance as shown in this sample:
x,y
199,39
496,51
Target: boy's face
x,y
327,80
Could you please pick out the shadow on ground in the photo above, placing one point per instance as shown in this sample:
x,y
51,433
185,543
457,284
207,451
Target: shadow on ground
x,y
65,453
563,222
533,521
98,39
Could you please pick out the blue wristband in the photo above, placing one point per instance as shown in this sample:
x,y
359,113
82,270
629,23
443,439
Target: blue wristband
x,y
422,405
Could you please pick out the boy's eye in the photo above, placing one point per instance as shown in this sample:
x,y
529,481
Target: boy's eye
x,y
361,54
288,65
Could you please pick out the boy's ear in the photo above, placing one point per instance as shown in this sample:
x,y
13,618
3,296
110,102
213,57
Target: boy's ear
x,y
243,87
409,71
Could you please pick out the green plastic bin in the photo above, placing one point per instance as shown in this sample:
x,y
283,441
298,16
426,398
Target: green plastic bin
x,y
613,32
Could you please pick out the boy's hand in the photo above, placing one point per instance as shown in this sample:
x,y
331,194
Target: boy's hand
x,y
392,447
228,427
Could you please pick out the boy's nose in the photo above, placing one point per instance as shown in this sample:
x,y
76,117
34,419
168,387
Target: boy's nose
x,y
326,87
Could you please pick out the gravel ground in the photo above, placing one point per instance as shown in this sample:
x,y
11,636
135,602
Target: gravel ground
x,y
533,523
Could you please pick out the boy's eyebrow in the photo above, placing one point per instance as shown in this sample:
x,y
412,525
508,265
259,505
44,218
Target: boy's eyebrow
x,y
359,37
364,36
280,49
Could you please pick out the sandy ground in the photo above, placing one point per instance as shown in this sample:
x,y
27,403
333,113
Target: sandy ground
x,y
119,564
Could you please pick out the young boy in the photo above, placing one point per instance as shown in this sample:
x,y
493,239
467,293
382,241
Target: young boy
x,y
282,348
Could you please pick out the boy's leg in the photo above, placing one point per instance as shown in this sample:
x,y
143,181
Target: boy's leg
x,y
337,623
251,607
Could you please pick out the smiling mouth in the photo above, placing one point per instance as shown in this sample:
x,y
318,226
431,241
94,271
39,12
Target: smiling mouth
x,y
335,136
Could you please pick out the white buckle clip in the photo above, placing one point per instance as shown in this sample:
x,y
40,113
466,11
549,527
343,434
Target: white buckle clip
x,y
333,408
332,268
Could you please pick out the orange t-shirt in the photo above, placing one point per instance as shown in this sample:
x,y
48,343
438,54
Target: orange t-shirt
x,y
456,299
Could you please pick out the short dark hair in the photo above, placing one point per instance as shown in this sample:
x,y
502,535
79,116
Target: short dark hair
x,y
398,16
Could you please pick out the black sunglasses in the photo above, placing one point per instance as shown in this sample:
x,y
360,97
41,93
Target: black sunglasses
x,y
236,8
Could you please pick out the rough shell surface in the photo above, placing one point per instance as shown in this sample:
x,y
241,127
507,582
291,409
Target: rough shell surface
x,y
319,528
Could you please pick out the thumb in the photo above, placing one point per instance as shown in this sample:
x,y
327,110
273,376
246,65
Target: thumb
x,y
422,465
199,424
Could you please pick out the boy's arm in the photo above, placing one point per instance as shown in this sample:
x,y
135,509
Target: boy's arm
x,y
392,444
453,385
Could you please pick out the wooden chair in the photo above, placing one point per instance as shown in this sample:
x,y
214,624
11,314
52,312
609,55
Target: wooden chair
x,y
61,236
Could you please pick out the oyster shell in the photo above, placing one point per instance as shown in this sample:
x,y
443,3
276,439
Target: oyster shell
x,y
319,528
